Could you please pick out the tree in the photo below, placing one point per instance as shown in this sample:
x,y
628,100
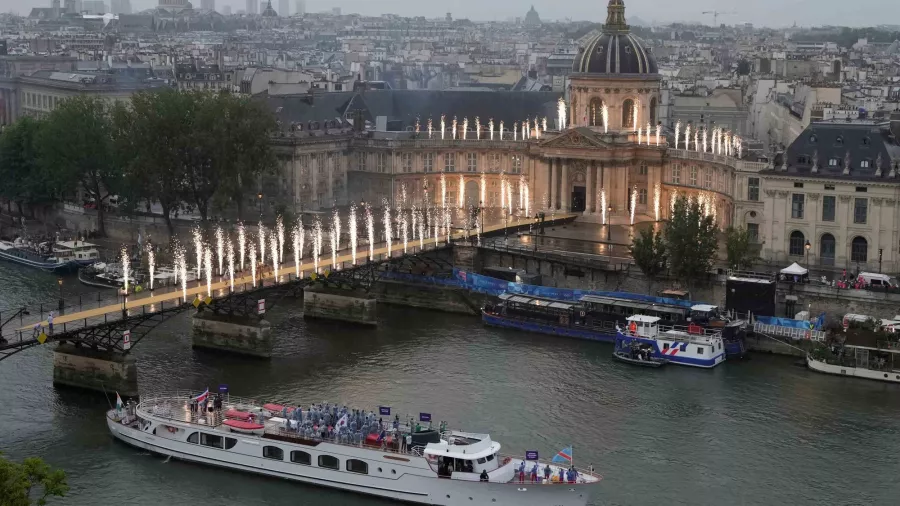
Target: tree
x,y
24,179
18,482
76,146
649,253
739,248
691,241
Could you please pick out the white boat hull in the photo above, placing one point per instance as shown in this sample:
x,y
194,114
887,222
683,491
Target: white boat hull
x,y
855,372
387,478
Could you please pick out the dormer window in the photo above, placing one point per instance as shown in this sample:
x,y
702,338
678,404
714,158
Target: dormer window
x,y
865,164
834,162
839,141
599,49
803,159
628,49
866,141
813,139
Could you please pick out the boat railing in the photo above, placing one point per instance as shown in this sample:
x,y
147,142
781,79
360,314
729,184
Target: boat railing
x,y
694,334
542,463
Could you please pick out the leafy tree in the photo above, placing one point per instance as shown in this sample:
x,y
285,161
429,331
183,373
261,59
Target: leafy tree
x,y
76,145
739,248
19,483
691,241
649,253
24,180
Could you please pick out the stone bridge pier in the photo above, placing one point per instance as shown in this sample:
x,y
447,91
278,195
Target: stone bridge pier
x,y
243,335
88,368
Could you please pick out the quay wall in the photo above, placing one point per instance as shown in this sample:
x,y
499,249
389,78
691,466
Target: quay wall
x,y
101,371
421,295
339,305
232,334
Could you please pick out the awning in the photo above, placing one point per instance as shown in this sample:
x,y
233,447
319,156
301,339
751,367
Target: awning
x,y
795,270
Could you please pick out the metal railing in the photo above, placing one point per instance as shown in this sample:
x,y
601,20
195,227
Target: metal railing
x,y
792,333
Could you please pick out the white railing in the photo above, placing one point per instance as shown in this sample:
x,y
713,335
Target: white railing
x,y
795,334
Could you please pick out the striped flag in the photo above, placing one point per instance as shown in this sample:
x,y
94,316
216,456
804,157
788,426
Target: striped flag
x,y
202,397
119,403
563,456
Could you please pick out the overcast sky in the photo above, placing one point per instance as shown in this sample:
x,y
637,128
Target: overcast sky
x,y
776,13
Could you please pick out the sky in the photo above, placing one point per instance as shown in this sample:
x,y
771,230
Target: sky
x,y
774,13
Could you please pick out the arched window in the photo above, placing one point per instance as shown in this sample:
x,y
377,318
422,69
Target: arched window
x,y
357,466
797,242
273,452
859,249
653,106
826,249
595,112
628,113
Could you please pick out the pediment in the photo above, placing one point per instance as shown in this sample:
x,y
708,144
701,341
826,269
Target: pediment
x,y
574,138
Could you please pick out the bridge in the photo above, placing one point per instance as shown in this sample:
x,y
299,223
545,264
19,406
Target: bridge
x,y
103,332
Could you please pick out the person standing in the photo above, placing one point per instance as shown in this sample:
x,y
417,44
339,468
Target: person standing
x,y
50,322
522,472
547,473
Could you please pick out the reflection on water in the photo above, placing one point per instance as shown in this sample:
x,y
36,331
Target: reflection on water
x,y
756,432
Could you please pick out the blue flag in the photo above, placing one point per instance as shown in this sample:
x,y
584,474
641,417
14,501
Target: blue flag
x,y
563,456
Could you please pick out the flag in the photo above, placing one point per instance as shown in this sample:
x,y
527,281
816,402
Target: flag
x,y
563,456
341,423
119,403
202,397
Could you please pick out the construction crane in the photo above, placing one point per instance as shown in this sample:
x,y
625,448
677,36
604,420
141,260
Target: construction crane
x,y
716,15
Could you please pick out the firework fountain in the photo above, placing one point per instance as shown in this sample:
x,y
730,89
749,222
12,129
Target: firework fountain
x,y
443,126
483,196
648,133
261,235
603,206
198,250
604,111
703,138
252,256
333,241
220,249
430,128
388,229
453,131
465,127
634,114
657,195
462,192
491,127
544,124
230,255
273,245
677,132
208,268
639,136
477,128
370,231
634,194
404,229
317,244
417,126
181,270
697,140
242,243
515,130
524,195
561,114
421,226
687,136
336,224
353,233
501,130
126,267
279,229
151,262
297,240
443,191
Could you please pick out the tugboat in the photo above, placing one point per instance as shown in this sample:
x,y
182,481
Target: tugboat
x,y
694,346
346,449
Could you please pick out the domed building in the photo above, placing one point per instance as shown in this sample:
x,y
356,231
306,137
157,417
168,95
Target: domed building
x,y
618,70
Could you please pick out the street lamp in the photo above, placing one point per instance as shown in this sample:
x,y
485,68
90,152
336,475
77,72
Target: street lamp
x,y
259,197
807,246
608,224
59,282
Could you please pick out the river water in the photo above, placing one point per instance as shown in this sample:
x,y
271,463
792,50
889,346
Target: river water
x,y
762,431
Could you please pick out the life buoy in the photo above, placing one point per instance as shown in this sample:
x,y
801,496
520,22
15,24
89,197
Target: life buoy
x,y
581,313
633,328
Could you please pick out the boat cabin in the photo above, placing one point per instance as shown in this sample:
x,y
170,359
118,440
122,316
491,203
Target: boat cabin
x,y
463,455
617,309
643,326
79,251
702,314
544,310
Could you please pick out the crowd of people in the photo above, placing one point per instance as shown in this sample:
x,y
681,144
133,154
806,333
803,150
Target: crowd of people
x,y
569,475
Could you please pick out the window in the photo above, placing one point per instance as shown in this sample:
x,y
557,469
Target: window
x,y
642,196
803,159
642,170
700,350
230,442
428,162
676,174
194,438
720,177
450,162
753,189
273,452
596,112
865,164
516,164
860,210
798,185
829,204
797,201
495,162
862,189
707,179
381,162
361,162
298,457
628,120
834,162
406,159
839,141
329,462
211,440
798,242
829,187
753,231
357,466
472,162
693,181
859,250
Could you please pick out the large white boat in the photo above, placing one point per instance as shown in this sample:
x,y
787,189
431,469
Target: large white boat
x,y
441,468
59,256
879,364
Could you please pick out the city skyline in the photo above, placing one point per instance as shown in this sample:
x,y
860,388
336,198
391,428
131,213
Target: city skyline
x,y
770,13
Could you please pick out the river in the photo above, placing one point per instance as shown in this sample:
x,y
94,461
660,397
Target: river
x,y
761,431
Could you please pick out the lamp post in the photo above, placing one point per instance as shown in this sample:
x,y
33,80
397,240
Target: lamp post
x,y
59,281
481,215
880,252
259,197
608,224
807,246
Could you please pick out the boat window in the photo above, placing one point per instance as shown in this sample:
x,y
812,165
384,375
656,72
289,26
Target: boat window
x,y
357,466
684,347
194,438
481,460
490,458
329,462
700,350
665,346
298,457
273,452
720,346
230,442
211,440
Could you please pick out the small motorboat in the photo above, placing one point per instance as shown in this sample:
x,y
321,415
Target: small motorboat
x,y
624,356
244,427
238,415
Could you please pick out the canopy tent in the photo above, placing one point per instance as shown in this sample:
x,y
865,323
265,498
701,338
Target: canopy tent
x,y
795,270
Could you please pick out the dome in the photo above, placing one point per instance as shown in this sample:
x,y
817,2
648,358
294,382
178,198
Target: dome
x,y
616,50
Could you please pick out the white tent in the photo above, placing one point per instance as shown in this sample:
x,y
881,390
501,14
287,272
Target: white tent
x,y
794,270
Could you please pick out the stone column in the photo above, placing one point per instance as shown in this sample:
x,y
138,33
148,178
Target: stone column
x,y
565,197
589,190
329,163
554,199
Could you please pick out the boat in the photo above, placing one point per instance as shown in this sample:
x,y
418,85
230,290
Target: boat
x,y
60,256
439,468
879,364
639,355
694,346
545,316
734,331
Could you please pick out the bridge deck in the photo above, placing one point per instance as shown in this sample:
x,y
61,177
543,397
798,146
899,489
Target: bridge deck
x,y
221,288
